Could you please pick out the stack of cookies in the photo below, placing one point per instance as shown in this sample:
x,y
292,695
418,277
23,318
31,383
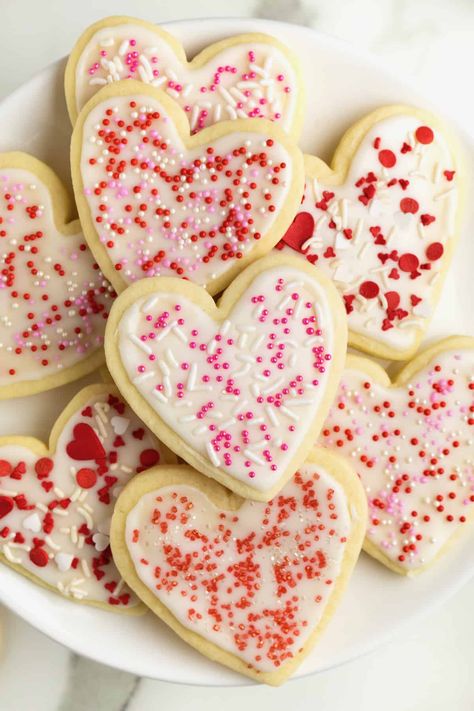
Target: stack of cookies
x,y
232,459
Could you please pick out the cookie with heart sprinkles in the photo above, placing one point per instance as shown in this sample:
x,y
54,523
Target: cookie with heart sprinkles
x,y
155,201
244,76
241,390
382,222
411,442
56,502
249,584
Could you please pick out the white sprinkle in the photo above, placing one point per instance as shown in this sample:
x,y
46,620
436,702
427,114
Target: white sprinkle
x,y
159,396
272,415
212,454
97,81
180,333
158,81
143,75
289,413
171,358
274,386
140,344
149,304
106,42
123,48
250,455
144,376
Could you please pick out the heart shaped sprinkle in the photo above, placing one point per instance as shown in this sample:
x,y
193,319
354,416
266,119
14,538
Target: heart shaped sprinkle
x,y
245,76
155,202
55,506
390,219
53,299
238,390
246,582
412,445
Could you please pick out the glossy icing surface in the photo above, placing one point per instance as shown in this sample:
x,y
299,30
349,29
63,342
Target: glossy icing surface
x,y
382,234
55,508
241,392
244,80
413,450
254,581
159,208
54,301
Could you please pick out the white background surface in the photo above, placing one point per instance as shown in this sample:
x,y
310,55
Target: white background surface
x,y
427,40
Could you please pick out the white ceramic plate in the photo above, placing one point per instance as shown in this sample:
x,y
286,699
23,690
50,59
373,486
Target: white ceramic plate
x,y
342,85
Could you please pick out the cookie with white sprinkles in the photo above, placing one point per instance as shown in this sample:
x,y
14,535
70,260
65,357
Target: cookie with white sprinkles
x,y
56,501
383,222
244,76
239,390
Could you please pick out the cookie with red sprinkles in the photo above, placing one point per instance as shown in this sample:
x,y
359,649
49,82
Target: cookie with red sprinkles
x,y
56,501
249,584
239,390
412,444
244,76
54,300
155,201
383,222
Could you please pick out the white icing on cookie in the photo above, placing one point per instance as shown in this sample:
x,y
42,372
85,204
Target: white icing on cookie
x,y
158,208
412,446
53,299
55,508
242,392
245,79
384,233
255,581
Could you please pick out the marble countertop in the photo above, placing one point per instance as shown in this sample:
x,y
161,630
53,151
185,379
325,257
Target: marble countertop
x,y
431,42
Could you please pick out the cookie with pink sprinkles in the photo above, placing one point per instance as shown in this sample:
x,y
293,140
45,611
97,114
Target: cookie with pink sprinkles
x,y
411,442
244,76
54,300
155,201
239,390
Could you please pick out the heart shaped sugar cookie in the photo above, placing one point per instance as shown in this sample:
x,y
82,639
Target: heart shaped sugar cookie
x,y
245,76
239,391
249,584
382,222
53,298
56,502
412,444
154,201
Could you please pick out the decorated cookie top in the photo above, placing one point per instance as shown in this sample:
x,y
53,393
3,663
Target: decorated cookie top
x,y
56,504
54,300
155,202
245,76
253,580
382,224
236,390
412,445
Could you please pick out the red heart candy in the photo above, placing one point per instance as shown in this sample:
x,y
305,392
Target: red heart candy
x,y
6,505
85,445
300,230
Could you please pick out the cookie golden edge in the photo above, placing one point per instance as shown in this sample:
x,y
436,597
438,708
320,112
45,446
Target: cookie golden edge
x,y
62,215
201,298
42,450
138,90
157,478
380,376
198,61
335,174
